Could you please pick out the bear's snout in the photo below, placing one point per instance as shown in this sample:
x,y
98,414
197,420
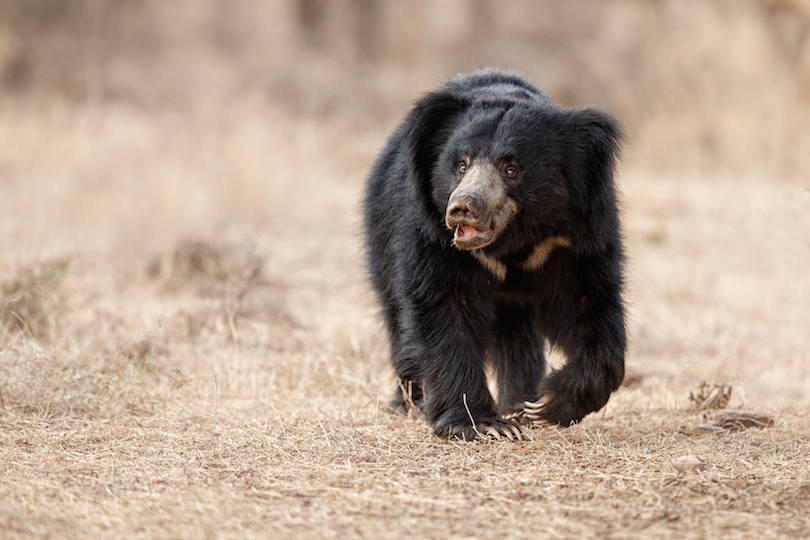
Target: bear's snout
x,y
464,215
471,201
465,209
479,208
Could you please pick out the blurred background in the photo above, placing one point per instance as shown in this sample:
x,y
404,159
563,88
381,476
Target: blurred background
x,y
698,85
140,99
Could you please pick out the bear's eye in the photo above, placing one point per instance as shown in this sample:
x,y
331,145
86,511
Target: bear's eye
x,y
510,171
461,167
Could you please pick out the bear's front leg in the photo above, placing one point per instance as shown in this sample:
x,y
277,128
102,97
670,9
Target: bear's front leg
x,y
517,357
453,338
594,343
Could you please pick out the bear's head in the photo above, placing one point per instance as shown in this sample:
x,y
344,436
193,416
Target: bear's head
x,y
507,172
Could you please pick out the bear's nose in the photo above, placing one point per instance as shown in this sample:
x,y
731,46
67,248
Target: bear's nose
x,y
464,207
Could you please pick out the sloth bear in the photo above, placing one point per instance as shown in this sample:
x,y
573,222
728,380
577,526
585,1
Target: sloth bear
x,y
491,226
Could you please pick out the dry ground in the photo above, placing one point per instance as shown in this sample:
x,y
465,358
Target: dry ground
x,y
189,349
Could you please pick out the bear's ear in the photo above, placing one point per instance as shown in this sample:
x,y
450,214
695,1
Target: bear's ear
x,y
428,127
593,149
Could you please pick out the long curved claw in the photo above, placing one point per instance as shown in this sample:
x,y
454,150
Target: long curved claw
x,y
534,412
531,406
518,417
506,432
492,432
500,431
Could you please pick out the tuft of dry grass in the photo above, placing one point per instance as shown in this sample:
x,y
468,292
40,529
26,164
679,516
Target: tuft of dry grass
x,y
31,299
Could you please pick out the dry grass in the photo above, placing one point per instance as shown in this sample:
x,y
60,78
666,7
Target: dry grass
x,y
174,474
231,384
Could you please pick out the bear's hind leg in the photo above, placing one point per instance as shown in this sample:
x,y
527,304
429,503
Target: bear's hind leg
x,y
409,394
408,398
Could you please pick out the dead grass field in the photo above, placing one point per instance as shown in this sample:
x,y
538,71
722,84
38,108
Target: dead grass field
x,y
189,349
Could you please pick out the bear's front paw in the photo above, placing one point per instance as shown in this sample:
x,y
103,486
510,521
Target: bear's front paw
x,y
550,410
566,396
454,424
534,413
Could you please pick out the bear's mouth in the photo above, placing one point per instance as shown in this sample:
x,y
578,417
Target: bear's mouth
x,y
468,237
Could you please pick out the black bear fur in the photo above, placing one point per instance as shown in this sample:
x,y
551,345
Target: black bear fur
x,y
491,227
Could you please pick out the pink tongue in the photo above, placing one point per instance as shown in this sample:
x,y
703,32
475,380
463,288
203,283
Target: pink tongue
x,y
465,231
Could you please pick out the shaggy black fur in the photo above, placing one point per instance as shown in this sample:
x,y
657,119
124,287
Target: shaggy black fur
x,y
489,151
